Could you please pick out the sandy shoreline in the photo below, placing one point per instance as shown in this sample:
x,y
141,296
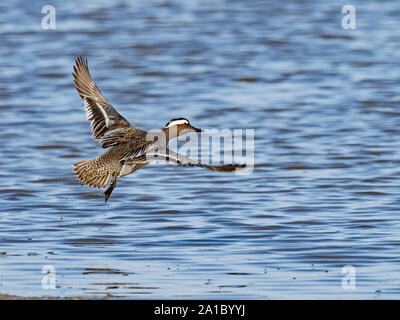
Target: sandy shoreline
x,y
13,297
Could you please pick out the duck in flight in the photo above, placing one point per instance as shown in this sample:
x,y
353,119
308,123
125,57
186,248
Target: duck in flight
x,y
129,148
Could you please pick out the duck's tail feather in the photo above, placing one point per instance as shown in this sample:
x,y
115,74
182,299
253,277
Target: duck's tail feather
x,y
92,173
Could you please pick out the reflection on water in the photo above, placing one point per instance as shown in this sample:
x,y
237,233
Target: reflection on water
x,y
323,102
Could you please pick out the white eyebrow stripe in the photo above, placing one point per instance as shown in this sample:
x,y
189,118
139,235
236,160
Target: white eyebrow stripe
x,y
176,122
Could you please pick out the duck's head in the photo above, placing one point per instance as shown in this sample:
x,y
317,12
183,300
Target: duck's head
x,y
177,127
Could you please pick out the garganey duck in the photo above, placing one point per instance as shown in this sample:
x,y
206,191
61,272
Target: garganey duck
x,y
130,148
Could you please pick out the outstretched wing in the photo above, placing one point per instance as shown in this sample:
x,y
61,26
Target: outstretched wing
x,y
168,156
108,125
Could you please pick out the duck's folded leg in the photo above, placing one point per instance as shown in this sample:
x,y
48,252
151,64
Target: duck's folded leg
x,y
110,189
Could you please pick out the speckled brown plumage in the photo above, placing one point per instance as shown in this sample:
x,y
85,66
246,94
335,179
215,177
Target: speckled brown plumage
x,y
110,128
129,147
97,172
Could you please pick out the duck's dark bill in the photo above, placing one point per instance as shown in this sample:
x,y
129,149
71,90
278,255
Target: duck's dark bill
x,y
196,129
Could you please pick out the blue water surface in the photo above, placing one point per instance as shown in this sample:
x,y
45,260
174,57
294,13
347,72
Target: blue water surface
x,y
324,105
